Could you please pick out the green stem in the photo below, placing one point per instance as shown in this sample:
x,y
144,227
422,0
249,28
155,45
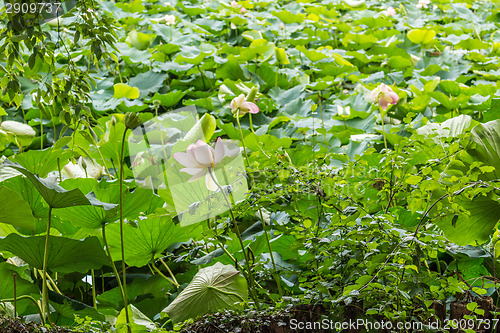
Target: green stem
x,y
15,295
251,125
163,276
124,266
40,311
242,140
276,274
260,210
94,297
383,127
170,272
113,266
45,291
247,261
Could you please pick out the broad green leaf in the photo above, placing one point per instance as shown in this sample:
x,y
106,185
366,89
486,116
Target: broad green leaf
x,y
169,99
66,309
140,40
23,287
41,162
213,288
55,195
140,200
267,142
124,90
421,36
452,127
139,323
148,82
281,56
288,18
487,146
145,242
147,288
14,210
252,35
313,55
65,255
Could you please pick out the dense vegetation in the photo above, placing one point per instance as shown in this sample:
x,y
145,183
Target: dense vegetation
x,y
166,159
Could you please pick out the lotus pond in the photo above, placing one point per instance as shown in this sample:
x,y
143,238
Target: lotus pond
x,y
245,166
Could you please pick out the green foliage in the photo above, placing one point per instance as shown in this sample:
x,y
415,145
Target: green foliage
x,y
387,211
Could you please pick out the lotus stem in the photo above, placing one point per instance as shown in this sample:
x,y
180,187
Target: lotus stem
x,y
94,297
163,276
242,140
247,262
170,272
383,127
276,275
45,291
124,266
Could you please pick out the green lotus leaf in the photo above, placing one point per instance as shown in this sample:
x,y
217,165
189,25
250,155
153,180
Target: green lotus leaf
x,y
124,90
421,36
139,322
212,289
146,242
55,195
14,210
65,255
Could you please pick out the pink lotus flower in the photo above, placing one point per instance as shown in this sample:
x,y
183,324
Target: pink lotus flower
x,y
243,10
390,11
384,95
200,160
423,3
234,4
240,103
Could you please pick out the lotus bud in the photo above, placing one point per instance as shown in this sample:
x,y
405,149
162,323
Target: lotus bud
x,y
132,120
251,95
82,163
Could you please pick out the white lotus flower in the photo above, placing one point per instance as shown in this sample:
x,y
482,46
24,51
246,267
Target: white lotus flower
x,y
200,160
423,3
344,112
169,19
85,168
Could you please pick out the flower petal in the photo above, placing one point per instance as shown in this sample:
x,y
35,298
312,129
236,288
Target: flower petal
x,y
383,103
220,150
394,97
186,160
204,154
192,171
252,107
210,182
